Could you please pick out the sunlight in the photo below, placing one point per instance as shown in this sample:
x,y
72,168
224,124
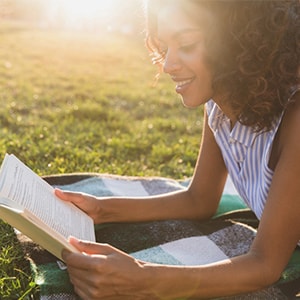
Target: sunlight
x,y
83,9
80,13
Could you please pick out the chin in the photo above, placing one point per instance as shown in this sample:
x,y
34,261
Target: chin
x,y
191,103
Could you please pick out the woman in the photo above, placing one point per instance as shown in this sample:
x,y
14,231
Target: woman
x,y
241,60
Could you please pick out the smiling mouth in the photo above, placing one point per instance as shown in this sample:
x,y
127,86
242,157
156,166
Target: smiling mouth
x,y
181,83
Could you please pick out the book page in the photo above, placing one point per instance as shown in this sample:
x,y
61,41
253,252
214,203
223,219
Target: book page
x,y
31,226
20,184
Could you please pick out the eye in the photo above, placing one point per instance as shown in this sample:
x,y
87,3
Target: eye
x,y
189,47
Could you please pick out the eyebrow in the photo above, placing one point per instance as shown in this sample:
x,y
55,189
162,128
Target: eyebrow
x,y
186,30
183,31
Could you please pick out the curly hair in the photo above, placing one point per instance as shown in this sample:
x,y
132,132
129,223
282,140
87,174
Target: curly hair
x,y
253,50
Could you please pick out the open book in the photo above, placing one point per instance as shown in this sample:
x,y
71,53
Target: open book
x,y
28,203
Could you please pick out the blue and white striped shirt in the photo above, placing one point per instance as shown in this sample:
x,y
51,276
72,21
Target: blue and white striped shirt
x,y
246,154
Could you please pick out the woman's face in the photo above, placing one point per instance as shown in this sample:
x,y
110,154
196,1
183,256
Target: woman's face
x,y
182,41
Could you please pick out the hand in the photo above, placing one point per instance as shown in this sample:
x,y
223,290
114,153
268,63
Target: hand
x,y
87,203
104,272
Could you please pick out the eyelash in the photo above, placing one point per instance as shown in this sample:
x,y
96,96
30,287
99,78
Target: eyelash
x,y
186,48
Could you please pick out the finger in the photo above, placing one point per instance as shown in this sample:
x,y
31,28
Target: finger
x,y
89,286
85,292
79,287
81,278
74,197
91,247
88,279
81,261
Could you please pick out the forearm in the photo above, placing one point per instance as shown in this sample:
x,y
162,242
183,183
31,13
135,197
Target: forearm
x,y
229,277
199,201
177,205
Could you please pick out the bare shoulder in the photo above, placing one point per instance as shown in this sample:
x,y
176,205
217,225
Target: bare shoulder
x,y
288,133
290,126
293,109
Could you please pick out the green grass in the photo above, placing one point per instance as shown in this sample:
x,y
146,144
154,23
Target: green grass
x,y
76,102
16,281
85,102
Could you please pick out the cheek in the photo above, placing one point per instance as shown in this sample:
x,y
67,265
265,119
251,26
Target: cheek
x,y
197,63
192,56
203,73
204,79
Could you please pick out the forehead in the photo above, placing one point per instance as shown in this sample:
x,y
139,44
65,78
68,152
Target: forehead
x,y
176,18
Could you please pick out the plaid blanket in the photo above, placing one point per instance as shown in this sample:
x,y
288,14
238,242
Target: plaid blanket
x,y
177,242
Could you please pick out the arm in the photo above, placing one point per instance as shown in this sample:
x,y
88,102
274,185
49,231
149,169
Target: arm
x,y
279,229
100,276
277,235
200,200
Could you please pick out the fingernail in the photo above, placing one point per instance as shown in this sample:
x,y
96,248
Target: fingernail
x,y
65,253
73,239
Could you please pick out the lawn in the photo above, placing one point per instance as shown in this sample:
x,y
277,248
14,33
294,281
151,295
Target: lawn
x,y
76,102
86,102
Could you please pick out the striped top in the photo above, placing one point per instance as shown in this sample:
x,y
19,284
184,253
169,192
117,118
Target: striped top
x,y
246,154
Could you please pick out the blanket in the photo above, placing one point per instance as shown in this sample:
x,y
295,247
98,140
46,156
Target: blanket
x,y
177,242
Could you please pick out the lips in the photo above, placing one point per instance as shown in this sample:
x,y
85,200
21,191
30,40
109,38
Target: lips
x,y
182,82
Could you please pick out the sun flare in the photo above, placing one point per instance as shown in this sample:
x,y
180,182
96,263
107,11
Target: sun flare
x,y
85,8
78,13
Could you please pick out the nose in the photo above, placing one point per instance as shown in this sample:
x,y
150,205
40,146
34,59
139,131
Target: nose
x,y
172,62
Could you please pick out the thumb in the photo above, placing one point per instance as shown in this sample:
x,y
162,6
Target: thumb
x,y
68,196
90,247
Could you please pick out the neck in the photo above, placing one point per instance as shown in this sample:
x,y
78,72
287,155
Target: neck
x,y
227,110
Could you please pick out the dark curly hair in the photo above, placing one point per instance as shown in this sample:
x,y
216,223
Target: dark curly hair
x,y
253,50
